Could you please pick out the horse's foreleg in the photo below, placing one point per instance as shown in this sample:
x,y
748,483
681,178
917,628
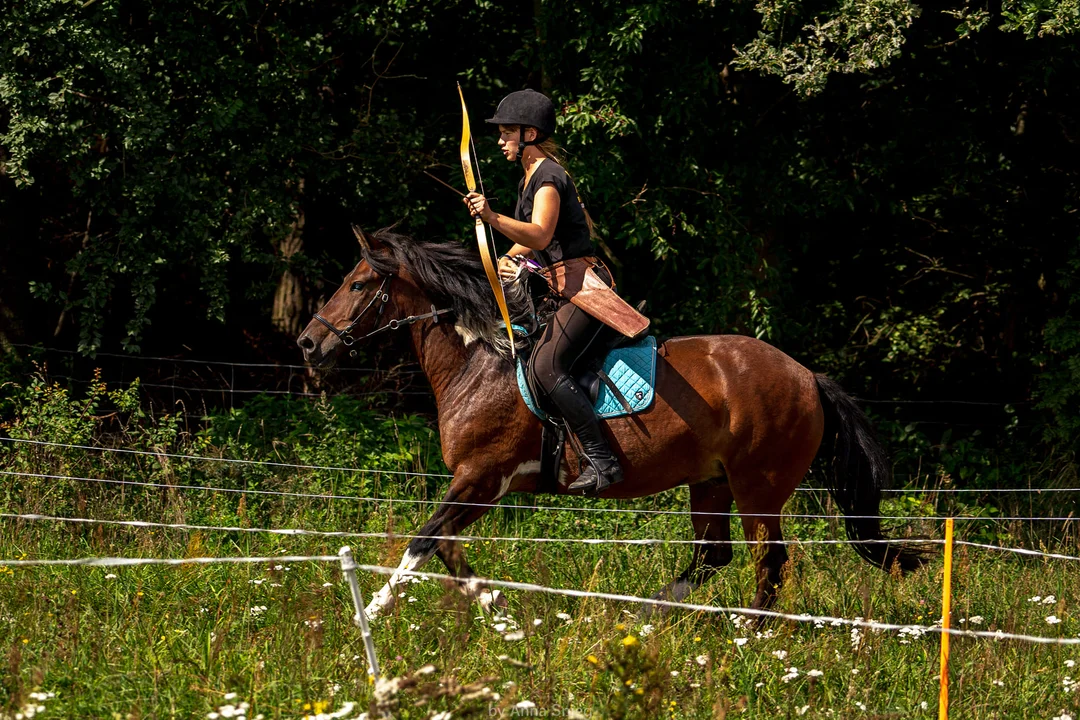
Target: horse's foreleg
x,y
706,499
416,556
456,513
453,556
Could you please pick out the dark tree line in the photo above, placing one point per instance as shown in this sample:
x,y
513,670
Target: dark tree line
x,y
886,191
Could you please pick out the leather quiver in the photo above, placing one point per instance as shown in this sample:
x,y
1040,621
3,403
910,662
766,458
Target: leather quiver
x,y
577,281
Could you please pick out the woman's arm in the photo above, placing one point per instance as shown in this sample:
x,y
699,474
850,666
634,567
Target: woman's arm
x,y
518,250
534,235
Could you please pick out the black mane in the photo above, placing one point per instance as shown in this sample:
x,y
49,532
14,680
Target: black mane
x,y
451,274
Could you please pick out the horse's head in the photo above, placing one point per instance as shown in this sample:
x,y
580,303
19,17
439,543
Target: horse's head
x,y
398,276
355,310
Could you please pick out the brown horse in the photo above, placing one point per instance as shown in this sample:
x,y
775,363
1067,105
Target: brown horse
x,y
734,418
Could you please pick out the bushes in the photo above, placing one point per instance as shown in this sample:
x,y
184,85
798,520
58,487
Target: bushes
x,y
329,433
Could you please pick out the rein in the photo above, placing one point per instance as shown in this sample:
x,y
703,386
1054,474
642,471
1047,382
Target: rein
x,y
381,297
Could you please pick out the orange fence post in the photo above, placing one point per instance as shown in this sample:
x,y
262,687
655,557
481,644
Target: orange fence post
x,y
946,610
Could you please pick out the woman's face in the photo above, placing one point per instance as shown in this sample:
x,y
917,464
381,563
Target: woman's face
x,y
509,139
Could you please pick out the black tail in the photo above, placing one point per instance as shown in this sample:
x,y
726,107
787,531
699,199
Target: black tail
x,y
857,471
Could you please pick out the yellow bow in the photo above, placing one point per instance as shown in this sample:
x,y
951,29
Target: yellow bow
x,y
481,234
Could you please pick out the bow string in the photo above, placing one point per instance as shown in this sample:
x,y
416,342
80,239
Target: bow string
x,y
482,239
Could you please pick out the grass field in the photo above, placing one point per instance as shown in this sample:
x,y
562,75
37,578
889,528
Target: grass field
x,y
276,639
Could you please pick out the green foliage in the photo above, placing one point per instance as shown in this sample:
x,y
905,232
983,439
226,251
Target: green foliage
x,y
1059,376
635,675
853,36
337,432
805,43
44,410
188,134
1042,17
902,227
350,444
972,20
157,641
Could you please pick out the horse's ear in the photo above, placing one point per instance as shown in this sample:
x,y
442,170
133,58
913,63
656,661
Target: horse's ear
x,y
367,242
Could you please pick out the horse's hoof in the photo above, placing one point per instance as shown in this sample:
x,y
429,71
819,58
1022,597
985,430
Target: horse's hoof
x,y
492,600
675,592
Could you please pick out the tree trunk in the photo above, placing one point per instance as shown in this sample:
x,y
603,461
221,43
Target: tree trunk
x,y
288,308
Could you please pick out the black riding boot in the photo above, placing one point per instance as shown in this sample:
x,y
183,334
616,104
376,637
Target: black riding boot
x,y
603,468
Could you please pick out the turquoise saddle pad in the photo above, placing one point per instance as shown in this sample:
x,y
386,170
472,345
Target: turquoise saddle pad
x,y
632,369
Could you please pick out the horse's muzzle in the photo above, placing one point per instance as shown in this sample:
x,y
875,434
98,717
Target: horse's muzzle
x,y
313,354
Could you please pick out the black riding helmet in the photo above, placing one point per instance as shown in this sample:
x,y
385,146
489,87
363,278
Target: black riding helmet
x,y
526,108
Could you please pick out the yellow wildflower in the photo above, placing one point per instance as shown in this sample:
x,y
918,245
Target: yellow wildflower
x,y
620,627
590,658
629,641
697,639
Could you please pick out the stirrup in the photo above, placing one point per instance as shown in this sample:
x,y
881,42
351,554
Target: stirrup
x,y
593,482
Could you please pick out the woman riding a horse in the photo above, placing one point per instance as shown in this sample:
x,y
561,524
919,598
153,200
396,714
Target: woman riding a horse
x,y
733,418
551,224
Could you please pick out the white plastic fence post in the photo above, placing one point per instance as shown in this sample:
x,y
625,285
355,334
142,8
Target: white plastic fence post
x,y
348,566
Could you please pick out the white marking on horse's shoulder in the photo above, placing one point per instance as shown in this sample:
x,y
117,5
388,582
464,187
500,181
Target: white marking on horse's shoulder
x,y
468,335
526,468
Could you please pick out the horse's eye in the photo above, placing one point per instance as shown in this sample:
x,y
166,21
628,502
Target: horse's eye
x,y
357,286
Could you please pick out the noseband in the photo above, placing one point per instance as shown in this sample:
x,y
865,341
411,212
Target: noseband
x,y
382,297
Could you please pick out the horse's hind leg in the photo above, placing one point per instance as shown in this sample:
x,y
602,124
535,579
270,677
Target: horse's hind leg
x,y
709,503
769,551
770,557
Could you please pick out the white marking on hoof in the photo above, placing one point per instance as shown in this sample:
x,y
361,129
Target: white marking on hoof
x,y
386,597
491,599
488,599
526,468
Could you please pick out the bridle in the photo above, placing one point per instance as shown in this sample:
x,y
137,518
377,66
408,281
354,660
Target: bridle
x,y
382,297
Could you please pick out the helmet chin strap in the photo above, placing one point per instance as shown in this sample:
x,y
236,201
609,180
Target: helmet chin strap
x,y
523,143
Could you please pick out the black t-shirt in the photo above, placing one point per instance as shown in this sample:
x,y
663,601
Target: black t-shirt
x,y
571,238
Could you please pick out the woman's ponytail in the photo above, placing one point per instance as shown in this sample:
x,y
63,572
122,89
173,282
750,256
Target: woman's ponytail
x,y
554,152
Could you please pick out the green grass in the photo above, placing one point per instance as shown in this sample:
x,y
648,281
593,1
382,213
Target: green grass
x,y
158,642
171,642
